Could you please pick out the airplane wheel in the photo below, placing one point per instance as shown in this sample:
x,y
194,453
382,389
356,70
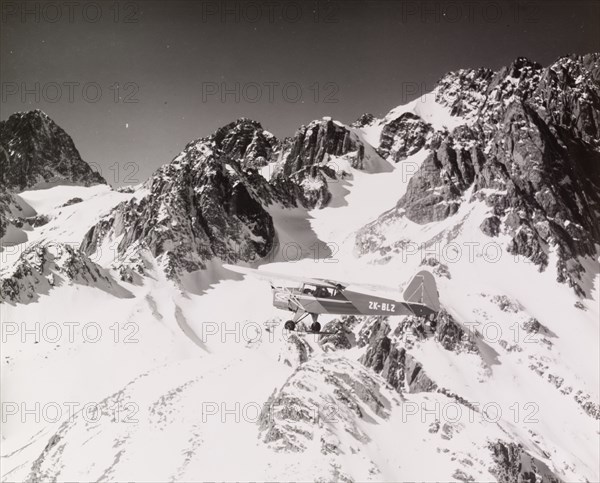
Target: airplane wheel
x,y
289,325
315,327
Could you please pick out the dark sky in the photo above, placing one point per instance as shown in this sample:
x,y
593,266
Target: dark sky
x,y
174,61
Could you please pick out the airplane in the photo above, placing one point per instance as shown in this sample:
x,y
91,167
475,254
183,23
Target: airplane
x,y
315,296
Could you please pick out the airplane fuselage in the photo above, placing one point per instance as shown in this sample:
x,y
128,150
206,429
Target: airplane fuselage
x,y
347,302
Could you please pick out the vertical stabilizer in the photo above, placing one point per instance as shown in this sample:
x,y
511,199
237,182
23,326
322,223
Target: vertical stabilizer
x,y
422,289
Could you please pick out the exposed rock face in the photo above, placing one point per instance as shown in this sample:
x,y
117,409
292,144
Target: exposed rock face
x,y
313,143
308,188
7,205
451,335
532,326
72,201
391,360
399,368
513,464
434,191
530,150
365,119
304,167
200,206
378,350
373,328
491,226
388,353
417,379
36,150
341,336
404,136
506,304
313,401
41,267
16,214
247,142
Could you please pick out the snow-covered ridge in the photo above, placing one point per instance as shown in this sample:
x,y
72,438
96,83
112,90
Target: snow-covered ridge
x,y
525,127
426,107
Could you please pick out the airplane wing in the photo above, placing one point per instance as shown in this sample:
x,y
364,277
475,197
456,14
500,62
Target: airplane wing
x,y
272,276
373,289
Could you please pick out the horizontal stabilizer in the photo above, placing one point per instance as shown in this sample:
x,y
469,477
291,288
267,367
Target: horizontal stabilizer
x,y
422,289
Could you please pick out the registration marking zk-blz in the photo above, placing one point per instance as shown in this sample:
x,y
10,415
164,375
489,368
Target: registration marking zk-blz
x,y
382,306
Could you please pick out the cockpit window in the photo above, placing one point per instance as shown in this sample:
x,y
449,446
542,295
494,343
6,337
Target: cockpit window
x,y
320,291
323,292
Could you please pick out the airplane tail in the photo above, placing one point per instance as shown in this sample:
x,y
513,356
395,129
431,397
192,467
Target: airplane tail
x,y
422,289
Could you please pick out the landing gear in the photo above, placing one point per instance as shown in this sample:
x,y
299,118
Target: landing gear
x,y
298,316
315,327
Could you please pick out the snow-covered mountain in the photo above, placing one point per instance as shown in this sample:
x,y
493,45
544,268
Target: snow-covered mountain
x,y
529,147
129,353
38,152
35,153
202,205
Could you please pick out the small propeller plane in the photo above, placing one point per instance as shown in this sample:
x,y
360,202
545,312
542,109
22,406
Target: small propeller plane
x,y
315,296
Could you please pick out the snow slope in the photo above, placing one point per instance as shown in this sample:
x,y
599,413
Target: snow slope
x,y
426,107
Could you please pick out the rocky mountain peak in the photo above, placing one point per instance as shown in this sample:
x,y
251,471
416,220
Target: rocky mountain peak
x,y
202,205
531,135
319,139
305,160
404,136
520,64
365,119
246,141
35,151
